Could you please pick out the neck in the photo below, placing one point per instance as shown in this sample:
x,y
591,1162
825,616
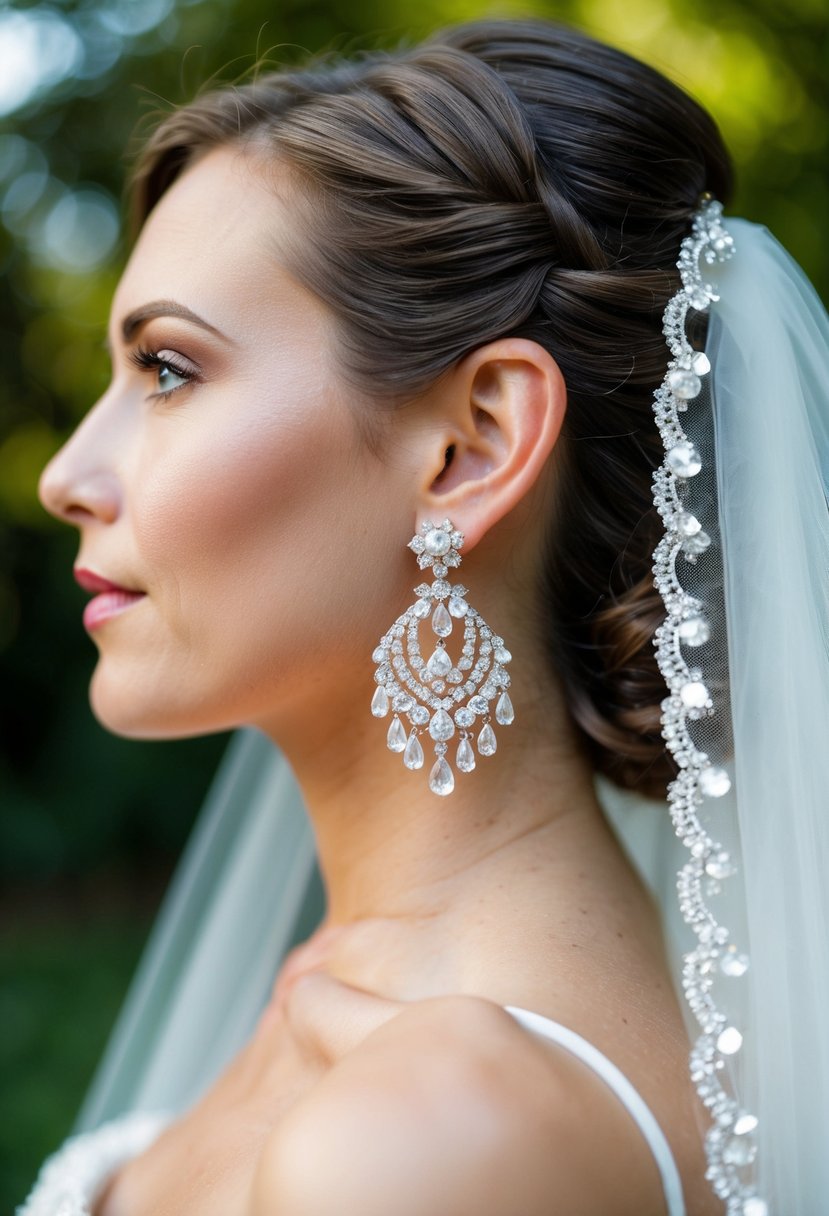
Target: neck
x,y
388,847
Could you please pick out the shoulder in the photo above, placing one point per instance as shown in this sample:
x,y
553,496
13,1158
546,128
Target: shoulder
x,y
449,1107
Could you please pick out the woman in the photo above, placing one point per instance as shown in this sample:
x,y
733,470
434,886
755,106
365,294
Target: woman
x,y
414,302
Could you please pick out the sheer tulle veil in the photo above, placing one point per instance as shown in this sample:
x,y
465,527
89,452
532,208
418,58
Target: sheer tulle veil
x,y
248,886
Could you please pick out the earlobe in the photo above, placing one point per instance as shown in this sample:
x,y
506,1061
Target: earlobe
x,y
505,405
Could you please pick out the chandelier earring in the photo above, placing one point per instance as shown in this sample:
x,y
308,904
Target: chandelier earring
x,y
431,692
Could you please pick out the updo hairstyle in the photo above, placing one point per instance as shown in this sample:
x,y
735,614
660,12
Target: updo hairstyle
x,y
503,178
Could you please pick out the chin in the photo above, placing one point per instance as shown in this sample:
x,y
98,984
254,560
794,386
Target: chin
x,y
124,708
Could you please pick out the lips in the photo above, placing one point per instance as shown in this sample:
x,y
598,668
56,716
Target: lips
x,y
112,600
90,581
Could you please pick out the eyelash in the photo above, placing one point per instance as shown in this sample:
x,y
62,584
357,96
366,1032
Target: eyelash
x,y
148,360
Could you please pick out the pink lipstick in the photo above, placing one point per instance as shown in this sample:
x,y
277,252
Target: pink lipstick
x,y
112,600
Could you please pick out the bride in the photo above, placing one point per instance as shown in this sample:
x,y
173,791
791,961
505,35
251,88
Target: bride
x,y
385,317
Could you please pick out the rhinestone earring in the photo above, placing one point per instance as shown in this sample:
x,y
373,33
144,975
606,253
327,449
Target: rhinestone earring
x,y
425,699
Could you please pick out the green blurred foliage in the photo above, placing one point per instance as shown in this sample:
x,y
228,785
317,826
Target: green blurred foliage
x,y
76,802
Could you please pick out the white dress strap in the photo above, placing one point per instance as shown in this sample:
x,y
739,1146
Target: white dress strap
x,y
623,1089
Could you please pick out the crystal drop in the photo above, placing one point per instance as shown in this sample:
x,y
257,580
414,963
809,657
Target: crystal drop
x,y
422,608
684,384
755,1206
465,758
693,694
378,654
696,544
441,621
701,363
714,782
739,1150
686,523
694,630
438,542
413,755
486,741
441,727
729,1041
396,737
457,606
504,713
441,779
502,655
464,716
720,866
380,702
684,460
478,704
439,664
733,963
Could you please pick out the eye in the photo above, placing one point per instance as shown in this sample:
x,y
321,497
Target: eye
x,y
171,375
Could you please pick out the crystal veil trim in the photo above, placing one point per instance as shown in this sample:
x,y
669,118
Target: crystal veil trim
x,y
428,707
730,1145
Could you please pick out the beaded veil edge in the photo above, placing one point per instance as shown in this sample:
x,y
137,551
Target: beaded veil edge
x,y
730,1143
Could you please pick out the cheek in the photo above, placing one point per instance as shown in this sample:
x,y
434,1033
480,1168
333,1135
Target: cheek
x,y
253,522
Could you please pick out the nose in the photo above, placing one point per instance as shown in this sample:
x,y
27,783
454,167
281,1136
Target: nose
x,y
78,485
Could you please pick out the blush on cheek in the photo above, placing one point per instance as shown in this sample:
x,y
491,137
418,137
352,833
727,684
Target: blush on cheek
x,y
259,539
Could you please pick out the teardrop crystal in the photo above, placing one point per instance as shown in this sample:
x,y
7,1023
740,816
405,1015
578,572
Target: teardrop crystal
x,y
684,459
714,782
486,741
380,702
465,758
684,384
396,737
439,664
441,778
441,727
694,630
441,621
504,713
457,607
413,755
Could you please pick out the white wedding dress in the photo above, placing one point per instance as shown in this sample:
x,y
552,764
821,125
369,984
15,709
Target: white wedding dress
x,y
70,1180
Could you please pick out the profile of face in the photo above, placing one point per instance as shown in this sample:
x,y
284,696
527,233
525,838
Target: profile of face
x,y
223,474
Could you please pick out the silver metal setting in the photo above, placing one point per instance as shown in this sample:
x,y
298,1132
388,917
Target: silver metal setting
x,y
442,697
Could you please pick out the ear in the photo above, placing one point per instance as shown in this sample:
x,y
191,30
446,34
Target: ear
x,y
498,416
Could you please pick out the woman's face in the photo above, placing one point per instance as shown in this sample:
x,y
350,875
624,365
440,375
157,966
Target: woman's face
x,y
243,504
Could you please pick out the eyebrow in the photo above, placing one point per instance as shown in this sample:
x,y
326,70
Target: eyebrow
x,y
133,321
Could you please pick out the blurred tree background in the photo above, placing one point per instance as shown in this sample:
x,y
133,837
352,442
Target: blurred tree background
x,y
91,825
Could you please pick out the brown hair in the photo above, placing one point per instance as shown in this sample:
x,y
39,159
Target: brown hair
x,y
504,178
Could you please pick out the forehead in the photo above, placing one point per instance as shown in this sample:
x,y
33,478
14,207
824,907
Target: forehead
x,y
210,243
